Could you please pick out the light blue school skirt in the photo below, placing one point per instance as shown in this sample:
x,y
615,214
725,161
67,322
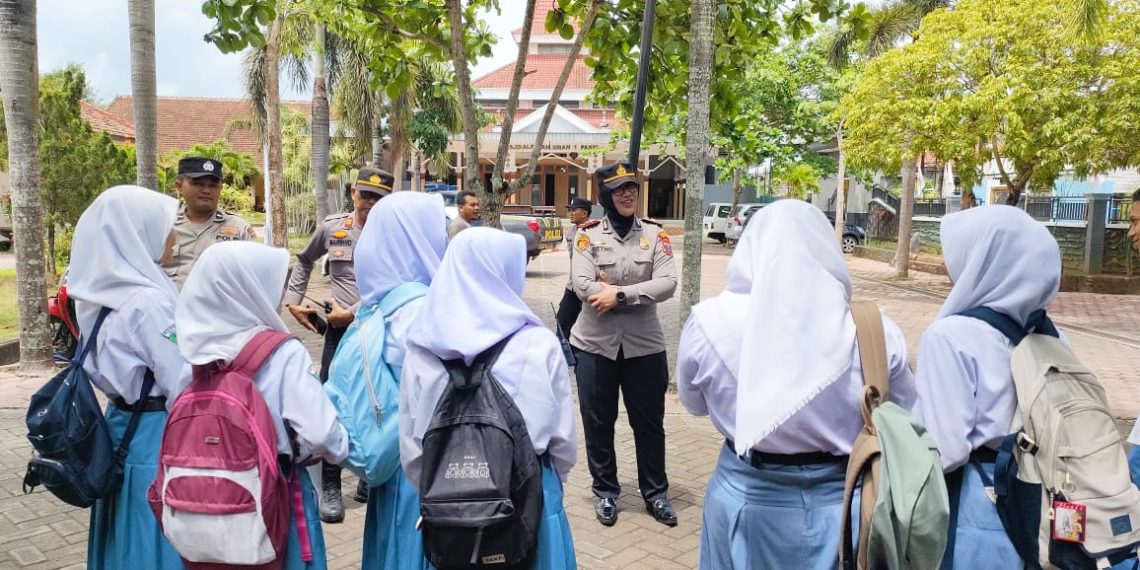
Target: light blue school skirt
x,y
555,543
124,534
776,516
981,541
391,540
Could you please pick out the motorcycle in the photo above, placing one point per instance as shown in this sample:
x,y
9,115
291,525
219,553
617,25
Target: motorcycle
x,y
61,312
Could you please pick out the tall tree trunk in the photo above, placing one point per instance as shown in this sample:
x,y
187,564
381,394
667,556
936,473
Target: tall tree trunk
x,y
398,171
377,141
417,170
497,194
19,91
841,187
471,168
697,151
273,130
319,160
737,187
906,209
145,92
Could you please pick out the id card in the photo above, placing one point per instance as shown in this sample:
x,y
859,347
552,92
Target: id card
x,y
1069,522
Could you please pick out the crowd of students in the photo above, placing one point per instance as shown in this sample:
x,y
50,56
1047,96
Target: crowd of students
x,y
772,360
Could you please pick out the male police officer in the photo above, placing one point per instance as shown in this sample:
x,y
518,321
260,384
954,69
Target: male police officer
x,y
200,223
579,210
621,269
336,236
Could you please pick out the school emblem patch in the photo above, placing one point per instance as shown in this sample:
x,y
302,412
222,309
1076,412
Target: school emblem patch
x,y
170,334
582,242
666,245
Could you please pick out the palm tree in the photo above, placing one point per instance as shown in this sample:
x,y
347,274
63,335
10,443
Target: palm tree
x,y
144,90
19,91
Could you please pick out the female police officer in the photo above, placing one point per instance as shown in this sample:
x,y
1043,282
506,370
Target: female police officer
x,y
622,268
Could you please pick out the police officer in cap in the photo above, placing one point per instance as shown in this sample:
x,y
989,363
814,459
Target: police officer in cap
x,y
200,223
579,210
622,269
336,237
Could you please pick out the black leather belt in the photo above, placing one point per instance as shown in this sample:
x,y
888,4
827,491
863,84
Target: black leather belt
x,y
151,404
760,458
984,455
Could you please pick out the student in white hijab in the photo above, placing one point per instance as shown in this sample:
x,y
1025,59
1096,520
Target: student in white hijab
x,y
475,302
396,258
773,362
116,255
233,293
997,257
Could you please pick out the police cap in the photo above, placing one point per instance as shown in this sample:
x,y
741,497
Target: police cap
x,y
617,174
580,204
374,180
199,166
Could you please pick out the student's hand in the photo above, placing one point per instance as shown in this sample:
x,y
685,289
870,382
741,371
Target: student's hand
x,y
606,300
302,315
340,317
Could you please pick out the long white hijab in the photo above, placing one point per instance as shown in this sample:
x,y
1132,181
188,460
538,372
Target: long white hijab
x,y
232,293
788,277
402,242
115,252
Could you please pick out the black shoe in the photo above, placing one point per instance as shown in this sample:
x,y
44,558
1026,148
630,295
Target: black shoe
x,y
361,495
607,512
332,506
662,511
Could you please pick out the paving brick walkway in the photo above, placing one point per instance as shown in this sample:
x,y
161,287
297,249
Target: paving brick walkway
x,y
39,533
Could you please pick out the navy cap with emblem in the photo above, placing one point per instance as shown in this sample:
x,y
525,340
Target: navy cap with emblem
x,y
374,180
581,204
199,166
617,174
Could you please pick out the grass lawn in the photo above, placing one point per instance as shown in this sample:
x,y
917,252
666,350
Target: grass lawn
x,y
9,314
254,218
297,243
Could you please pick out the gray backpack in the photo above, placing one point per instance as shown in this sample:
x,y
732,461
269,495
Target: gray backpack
x,y
1061,479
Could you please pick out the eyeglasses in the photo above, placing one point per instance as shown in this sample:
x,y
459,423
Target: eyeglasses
x,y
627,190
369,196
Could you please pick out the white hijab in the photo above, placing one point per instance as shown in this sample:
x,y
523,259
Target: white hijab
x,y
402,242
232,293
115,253
999,257
475,299
790,281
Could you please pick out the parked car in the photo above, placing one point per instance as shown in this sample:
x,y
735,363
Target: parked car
x,y
853,235
738,219
716,221
541,229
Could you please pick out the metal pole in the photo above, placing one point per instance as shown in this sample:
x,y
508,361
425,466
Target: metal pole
x,y
642,80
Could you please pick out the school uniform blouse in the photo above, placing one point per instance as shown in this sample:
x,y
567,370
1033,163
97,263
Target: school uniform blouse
x,y
293,393
138,336
830,422
532,370
966,396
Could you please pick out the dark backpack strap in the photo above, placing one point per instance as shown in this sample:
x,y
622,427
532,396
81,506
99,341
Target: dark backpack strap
x,y
133,423
257,351
82,355
465,377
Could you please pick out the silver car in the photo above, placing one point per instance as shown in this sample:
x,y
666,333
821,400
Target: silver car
x,y
738,218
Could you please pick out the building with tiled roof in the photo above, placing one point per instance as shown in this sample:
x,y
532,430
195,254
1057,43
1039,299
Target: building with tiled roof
x,y
578,130
187,121
122,132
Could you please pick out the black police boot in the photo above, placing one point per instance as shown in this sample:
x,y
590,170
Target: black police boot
x,y
662,511
332,506
361,495
607,511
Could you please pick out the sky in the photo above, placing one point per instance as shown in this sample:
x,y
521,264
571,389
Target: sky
x,y
95,35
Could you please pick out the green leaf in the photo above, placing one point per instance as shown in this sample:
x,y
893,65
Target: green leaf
x,y
567,32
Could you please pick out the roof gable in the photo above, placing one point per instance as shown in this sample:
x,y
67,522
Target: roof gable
x,y
187,121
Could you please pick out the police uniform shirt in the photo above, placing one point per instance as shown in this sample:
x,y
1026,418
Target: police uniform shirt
x,y
641,265
337,237
192,239
707,386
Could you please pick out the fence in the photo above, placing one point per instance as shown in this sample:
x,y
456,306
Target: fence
x,y
1057,208
935,208
1119,209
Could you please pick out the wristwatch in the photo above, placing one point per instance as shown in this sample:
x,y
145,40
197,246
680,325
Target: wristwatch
x,y
621,296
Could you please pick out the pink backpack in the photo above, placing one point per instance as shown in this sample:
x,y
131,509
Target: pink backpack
x,y
220,496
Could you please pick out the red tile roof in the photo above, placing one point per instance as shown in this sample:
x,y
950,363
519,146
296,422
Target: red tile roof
x,y
541,9
542,73
100,120
592,116
187,121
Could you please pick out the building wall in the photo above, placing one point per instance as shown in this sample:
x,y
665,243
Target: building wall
x,y
1071,240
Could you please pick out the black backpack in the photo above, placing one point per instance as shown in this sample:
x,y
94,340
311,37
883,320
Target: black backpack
x,y
74,458
482,482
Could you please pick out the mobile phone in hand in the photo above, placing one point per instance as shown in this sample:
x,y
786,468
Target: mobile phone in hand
x,y
318,323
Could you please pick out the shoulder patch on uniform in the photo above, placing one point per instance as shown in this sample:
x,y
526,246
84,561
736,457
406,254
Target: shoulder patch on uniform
x,y
313,371
582,242
170,334
666,245
653,222
589,224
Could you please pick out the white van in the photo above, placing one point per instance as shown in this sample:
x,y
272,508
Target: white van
x,y
716,220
